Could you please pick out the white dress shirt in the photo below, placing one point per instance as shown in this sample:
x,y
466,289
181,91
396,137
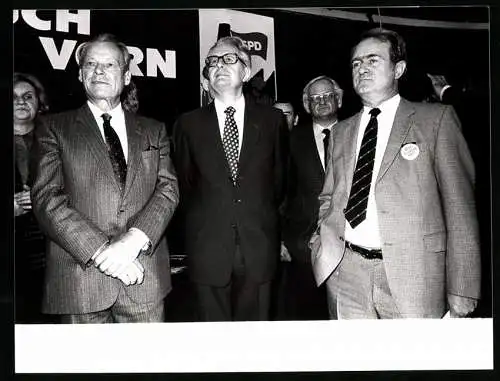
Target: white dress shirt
x,y
117,122
239,117
366,234
318,137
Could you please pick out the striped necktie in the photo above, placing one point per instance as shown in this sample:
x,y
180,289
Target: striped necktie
x,y
355,212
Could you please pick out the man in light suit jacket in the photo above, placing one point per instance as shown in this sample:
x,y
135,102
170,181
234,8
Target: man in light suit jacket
x,y
230,157
397,234
321,98
104,193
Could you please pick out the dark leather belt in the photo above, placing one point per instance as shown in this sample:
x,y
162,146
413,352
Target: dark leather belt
x,y
365,253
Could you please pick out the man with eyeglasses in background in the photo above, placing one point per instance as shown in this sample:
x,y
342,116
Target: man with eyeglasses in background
x,y
322,99
231,157
104,193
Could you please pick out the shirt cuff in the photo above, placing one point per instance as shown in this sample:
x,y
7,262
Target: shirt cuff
x,y
442,91
99,251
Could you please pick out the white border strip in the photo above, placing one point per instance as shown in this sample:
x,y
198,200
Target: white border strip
x,y
369,345
387,19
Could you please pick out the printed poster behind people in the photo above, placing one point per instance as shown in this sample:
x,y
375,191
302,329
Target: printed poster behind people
x,y
258,34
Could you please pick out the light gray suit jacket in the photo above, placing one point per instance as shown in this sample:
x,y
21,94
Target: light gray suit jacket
x,y
78,203
426,209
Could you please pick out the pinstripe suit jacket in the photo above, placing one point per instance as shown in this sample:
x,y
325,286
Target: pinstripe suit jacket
x,y
426,209
78,204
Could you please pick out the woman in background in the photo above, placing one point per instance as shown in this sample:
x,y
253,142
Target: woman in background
x,y
30,100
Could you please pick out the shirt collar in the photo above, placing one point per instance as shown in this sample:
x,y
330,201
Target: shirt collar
x,y
318,129
388,106
239,104
116,113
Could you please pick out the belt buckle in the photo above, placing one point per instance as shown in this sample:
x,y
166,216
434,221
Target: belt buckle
x,y
365,253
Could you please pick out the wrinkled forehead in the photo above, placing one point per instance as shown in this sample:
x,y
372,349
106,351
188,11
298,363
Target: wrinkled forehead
x,y
321,86
104,50
222,49
24,87
370,47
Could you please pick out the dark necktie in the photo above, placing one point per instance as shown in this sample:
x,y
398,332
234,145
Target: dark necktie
x,y
230,142
326,141
355,212
115,151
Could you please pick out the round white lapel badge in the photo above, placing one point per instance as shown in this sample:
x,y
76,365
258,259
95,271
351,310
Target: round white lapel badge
x,y
410,151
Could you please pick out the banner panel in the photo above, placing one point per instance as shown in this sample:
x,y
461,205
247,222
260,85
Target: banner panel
x,y
258,34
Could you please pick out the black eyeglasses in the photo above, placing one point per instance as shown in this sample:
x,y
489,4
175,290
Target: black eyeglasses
x,y
228,59
325,97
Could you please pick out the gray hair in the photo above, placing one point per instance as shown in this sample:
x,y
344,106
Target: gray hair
x,y
305,93
82,50
239,45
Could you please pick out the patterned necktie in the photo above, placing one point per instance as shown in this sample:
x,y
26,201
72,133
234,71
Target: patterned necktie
x,y
326,141
355,212
115,151
230,142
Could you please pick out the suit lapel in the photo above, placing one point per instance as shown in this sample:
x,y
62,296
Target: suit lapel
x,y
88,130
310,144
400,128
251,134
349,138
210,137
134,139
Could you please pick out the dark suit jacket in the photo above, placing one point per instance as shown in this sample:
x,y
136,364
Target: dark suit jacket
x,y
215,210
305,181
78,203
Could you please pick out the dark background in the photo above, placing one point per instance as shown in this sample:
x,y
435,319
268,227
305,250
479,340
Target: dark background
x,y
306,46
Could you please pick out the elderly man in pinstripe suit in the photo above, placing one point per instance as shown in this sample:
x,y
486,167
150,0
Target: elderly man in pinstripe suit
x,y
104,193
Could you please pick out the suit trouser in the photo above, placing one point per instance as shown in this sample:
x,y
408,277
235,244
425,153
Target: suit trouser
x,y
358,289
124,310
242,299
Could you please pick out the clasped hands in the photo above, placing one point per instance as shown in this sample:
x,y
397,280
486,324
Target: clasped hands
x,y
119,259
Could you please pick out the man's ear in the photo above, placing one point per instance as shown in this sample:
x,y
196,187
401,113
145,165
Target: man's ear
x,y
296,120
127,76
305,102
339,95
399,69
248,73
80,75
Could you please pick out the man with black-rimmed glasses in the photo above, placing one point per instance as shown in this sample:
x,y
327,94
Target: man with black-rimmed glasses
x,y
230,157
